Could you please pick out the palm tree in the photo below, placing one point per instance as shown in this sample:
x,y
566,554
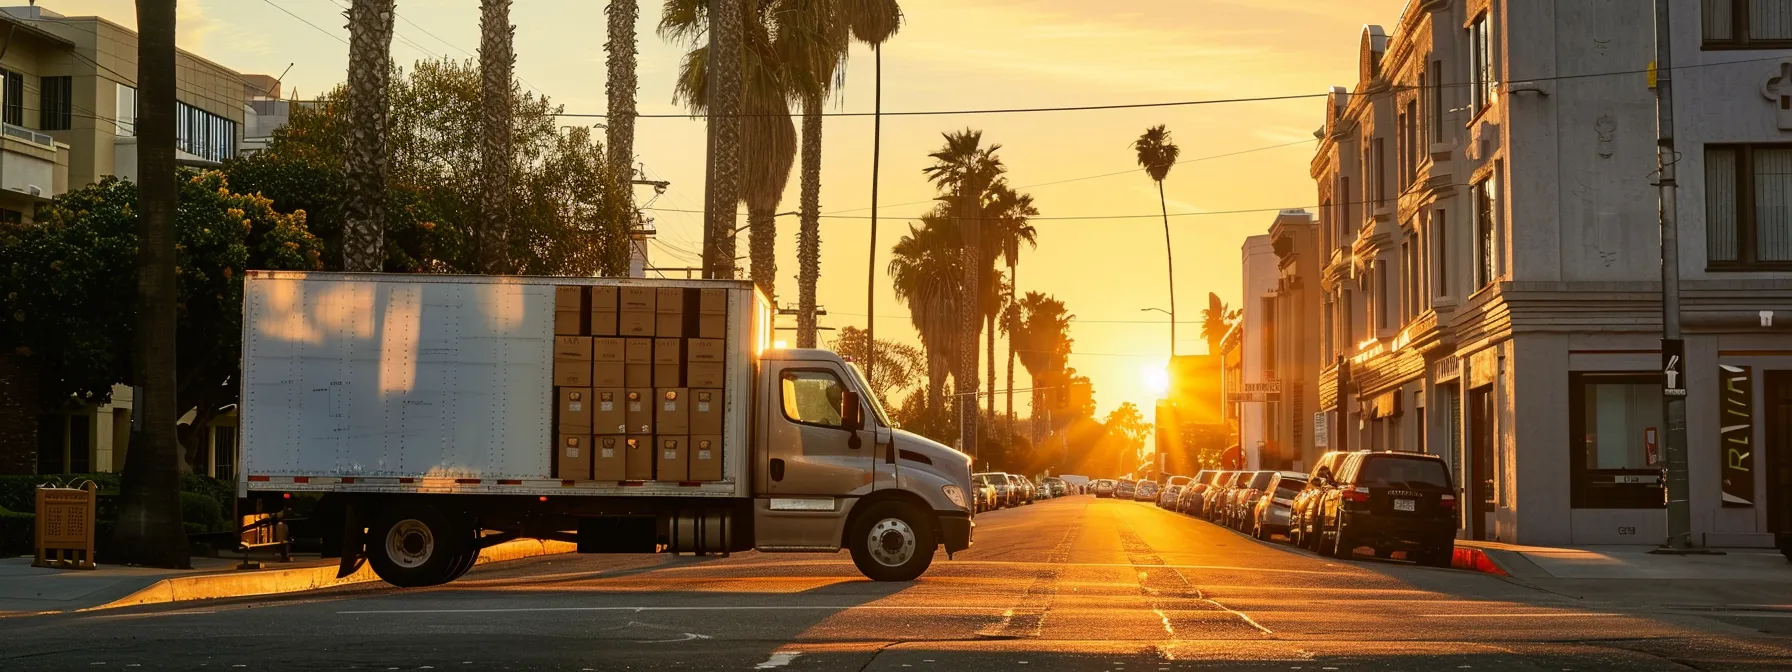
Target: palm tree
x,y
149,530
369,73
963,171
497,59
1157,154
1216,320
1011,329
1045,343
924,272
725,23
1009,213
620,87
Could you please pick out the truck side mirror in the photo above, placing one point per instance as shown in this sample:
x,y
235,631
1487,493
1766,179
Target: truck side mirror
x,y
851,413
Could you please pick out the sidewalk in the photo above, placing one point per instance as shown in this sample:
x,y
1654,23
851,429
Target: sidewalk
x,y
27,590
1752,577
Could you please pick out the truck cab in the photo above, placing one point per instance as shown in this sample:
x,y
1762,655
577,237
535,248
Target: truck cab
x,y
832,471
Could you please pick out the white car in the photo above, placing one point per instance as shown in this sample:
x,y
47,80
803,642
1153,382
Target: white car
x,y
1169,496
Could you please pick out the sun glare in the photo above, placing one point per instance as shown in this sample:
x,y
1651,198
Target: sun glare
x,y
1156,379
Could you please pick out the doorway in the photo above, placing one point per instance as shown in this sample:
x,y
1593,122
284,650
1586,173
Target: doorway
x,y
1779,451
1478,486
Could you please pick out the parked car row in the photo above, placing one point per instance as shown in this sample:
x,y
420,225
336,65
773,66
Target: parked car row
x,y
1000,490
1386,501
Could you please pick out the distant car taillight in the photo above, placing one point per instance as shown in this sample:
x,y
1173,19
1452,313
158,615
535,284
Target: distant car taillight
x,y
1358,495
1447,502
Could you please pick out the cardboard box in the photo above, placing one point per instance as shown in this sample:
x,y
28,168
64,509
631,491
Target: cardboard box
x,y
706,458
604,299
575,410
706,411
668,375
672,410
668,350
609,374
638,351
639,299
569,297
603,323
669,324
567,323
635,323
609,350
609,458
703,374
637,409
572,348
671,461
608,414
572,373
670,300
572,457
638,462
712,326
637,375
705,349
712,301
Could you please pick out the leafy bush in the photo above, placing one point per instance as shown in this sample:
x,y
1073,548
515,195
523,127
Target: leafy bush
x,y
16,533
200,513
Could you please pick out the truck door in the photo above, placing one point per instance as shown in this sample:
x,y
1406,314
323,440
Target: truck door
x,y
809,450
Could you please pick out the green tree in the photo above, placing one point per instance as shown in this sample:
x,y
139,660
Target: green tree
x,y
1044,341
1157,154
899,365
924,272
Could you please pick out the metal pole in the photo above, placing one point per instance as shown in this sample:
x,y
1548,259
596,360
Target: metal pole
x,y
877,139
1674,406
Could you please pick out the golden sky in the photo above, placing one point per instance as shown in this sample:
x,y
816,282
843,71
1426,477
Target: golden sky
x,y
950,55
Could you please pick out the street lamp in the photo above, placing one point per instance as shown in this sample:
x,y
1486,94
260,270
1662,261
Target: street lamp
x,y
1172,326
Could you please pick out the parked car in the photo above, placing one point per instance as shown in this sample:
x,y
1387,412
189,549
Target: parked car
x,y
1390,502
1177,480
1300,513
1243,498
1104,488
1146,491
1003,487
1056,486
1213,502
1024,490
1197,488
1123,489
1270,516
983,496
1169,496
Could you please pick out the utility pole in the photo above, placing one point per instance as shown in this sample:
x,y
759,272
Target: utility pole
x,y
877,142
1673,350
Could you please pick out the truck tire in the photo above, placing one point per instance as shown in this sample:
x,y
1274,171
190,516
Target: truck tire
x,y
412,545
891,541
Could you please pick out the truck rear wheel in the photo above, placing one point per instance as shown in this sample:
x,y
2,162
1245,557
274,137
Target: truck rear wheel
x,y
413,545
891,541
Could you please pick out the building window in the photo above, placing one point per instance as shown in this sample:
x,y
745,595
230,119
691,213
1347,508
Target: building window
x,y
1349,218
1485,195
1325,233
56,103
12,108
126,112
1268,305
1381,294
1615,428
13,217
1412,141
1481,79
1440,250
80,444
51,445
1748,206
203,134
1437,101
1380,168
224,452
1747,24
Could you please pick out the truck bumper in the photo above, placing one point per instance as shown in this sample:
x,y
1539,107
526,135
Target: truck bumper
x,y
955,531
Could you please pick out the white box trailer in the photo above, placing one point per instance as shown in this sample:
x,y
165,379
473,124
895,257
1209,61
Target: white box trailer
x,y
422,407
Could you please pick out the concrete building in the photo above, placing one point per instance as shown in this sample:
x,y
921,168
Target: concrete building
x,y
1290,340
1492,263
1256,395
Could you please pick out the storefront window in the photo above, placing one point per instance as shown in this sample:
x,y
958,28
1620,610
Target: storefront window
x,y
1616,427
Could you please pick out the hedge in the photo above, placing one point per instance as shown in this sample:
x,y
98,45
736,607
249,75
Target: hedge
x,y
16,533
205,503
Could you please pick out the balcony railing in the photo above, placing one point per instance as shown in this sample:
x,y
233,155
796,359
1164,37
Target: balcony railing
x,y
28,135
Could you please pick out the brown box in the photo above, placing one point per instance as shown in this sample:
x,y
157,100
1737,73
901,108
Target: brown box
x,y
572,373
569,297
705,349
575,410
669,324
609,458
712,326
566,323
609,350
637,408
638,351
639,459
706,458
572,457
668,351
603,323
706,411
703,374
604,300
671,458
670,300
672,410
668,375
635,323
608,411
712,301
641,299
572,348
637,375
609,374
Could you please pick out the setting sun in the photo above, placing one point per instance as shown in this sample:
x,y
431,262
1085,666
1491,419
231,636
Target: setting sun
x,y
1154,378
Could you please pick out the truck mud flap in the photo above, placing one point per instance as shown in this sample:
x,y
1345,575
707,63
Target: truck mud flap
x,y
354,542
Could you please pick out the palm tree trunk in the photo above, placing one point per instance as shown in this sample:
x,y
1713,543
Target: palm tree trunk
x,y
1011,334
970,323
149,528
722,189
762,241
1170,259
989,323
620,87
496,61
936,381
808,239
369,74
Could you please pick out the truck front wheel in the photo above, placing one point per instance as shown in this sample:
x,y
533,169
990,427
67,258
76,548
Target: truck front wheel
x,y
891,541
412,545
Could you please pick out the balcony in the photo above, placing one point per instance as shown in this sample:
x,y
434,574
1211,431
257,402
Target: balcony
x,y
31,163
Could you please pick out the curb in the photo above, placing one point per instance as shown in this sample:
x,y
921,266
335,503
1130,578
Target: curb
x,y
1476,560
299,579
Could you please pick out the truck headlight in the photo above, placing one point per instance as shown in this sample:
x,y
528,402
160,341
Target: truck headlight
x,y
954,494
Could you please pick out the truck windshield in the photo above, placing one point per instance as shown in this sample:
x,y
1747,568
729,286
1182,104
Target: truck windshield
x,y
870,396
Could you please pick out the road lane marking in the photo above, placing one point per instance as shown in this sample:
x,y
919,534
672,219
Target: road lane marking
x,y
1526,615
523,610
1241,615
778,660
1165,619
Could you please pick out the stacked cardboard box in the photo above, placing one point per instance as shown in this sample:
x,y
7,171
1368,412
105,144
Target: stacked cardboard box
x,y
639,383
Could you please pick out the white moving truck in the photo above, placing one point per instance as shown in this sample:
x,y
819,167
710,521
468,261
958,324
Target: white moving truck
x,y
433,413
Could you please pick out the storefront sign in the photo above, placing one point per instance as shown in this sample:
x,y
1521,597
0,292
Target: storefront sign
x,y
1447,369
1266,387
1673,367
1321,438
1736,429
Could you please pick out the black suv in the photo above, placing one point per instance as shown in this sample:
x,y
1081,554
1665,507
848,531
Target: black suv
x,y
1391,502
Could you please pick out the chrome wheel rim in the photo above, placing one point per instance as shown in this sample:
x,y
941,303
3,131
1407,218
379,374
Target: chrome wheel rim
x,y
410,543
892,542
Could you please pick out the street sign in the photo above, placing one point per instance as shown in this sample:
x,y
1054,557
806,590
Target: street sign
x,y
1673,367
1321,438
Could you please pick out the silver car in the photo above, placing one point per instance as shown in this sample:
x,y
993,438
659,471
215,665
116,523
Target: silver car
x,y
1271,514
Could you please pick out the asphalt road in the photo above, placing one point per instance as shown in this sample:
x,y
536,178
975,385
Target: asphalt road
x,y
1071,584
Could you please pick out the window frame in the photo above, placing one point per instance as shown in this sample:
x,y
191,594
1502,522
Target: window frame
x,y
1740,38
1581,495
785,410
1747,222
1482,82
1486,242
12,100
56,100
